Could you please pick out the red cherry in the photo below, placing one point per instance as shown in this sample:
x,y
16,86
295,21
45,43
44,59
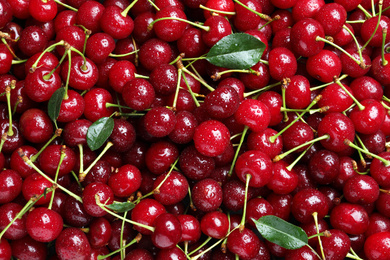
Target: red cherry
x,y
69,239
43,224
211,138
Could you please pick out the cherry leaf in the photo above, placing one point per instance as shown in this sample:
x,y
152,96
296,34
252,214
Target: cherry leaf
x,y
281,232
54,104
121,207
99,132
236,51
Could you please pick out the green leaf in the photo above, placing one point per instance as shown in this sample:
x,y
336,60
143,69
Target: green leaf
x,y
236,51
54,104
99,132
121,207
281,232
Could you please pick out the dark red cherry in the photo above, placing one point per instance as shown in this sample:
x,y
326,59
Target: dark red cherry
x,y
35,184
335,98
370,119
219,28
138,94
173,190
222,102
307,201
283,180
306,9
100,45
351,67
244,243
115,23
361,189
104,194
36,126
160,156
254,114
11,185
380,172
5,58
375,246
73,35
83,73
332,17
5,249
141,23
191,43
89,15
195,165
298,93
379,71
366,87
324,167
32,40
72,107
145,212
75,214
17,229
324,66
259,80
170,30
211,138
350,218
378,223
40,85
159,121
153,53
273,101
190,228
28,248
215,224
244,19
50,158
207,195
336,246
369,26
167,232
95,104
297,134
282,63
69,239
184,129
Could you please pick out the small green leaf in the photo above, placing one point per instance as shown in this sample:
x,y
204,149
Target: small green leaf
x,y
281,232
54,104
99,132
236,51
121,207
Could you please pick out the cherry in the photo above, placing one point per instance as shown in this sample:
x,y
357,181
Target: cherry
x,y
350,218
95,104
69,239
310,229
50,157
138,94
207,195
336,246
361,189
184,102
306,9
351,67
301,253
100,45
195,165
83,73
258,165
171,29
375,246
145,212
222,102
380,71
160,121
324,66
298,94
35,125
43,224
43,11
89,14
324,166
184,129
368,27
303,37
116,23
281,205
5,249
297,134
370,117
75,132
380,172
153,53
211,138
244,19
273,101
335,98
254,114
244,243
100,172
73,35
167,232
258,80
32,40
219,27
123,135
378,223
5,58
282,63
332,17
338,127
104,194
8,212
64,18
72,107
215,224
141,23
283,180
120,73
36,184
11,185
234,195
143,254
28,248
190,228
307,201
257,208
160,156
171,189
120,230
41,84
99,233
17,163
164,79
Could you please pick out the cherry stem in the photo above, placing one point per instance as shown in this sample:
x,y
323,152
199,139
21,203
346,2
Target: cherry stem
x,y
3,139
384,33
199,247
273,138
84,66
179,74
218,75
190,90
68,75
238,150
353,256
383,160
62,156
116,105
316,235
242,223
291,166
318,38
11,51
122,248
121,242
356,21
215,11
127,9
122,55
57,133
281,156
18,101
65,5
48,49
18,61
387,8
84,174
180,65
361,142
315,216
258,91
284,86
360,106
263,16
29,162
203,27
327,84
139,76
377,25
8,96
355,167
366,13
81,153
373,7
48,76
277,17
356,42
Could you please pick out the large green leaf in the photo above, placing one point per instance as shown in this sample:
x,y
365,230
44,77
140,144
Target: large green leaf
x,y
281,232
121,207
99,132
54,104
236,51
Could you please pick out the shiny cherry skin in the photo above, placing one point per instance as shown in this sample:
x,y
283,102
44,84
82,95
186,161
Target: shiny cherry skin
x,y
370,119
50,158
173,190
211,138
167,232
8,212
303,37
38,88
95,104
361,189
10,185
43,224
350,218
69,239
335,250
207,195
105,194
115,24
307,201
145,212
244,243
254,114
375,246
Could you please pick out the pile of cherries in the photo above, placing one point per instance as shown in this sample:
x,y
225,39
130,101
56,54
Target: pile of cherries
x,y
121,139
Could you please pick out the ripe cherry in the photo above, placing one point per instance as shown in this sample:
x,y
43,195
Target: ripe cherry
x,y
375,246
145,212
116,23
8,212
207,195
43,11
303,37
43,224
83,73
167,232
211,138
307,201
95,104
89,15
173,190
369,119
69,239
254,114
50,157
324,66
350,218
244,243
41,84
104,194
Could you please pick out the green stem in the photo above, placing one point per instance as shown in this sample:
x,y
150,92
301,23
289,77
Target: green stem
x,y
122,248
315,216
65,5
8,96
384,33
356,42
291,166
258,91
360,106
18,61
383,160
206,28
247,180
215,11
127,9
116,105
122,55
238,150
376,27
56,134
200,246
197,78
327,84
339,48
263,16
84,66
179,75
190,90
83,174
48,49
366,13
62,156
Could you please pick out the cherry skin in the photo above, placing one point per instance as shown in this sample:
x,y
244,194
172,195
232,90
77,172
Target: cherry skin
x,y
378,223
283,180
307,201
211,138
75,214
69,239
244,19
282,63
324,66
350,218
145,212
38,87
297,134
115,24
141,23
99,233
170,30
167,232
333,249
303,37
154,52
28,248
123,135
8,212
257,164
335,98
361,189
273,101
35,126
254,114
190,228
257,208
32,40
195,165
380,172
215,224
369,25
95,104
160,156
104,193
244,243
306,9
375,246
72,107
370,119
83,74
261,141
258,81
138,94
173,190
366,87
219,28
89,15
380,72
5,249
43,224
207,195
50,158
160,121
73,35
324,167
298,94
43,11
100,45
222,102
5,58
11,185
75,132
120,73
332,17
184,129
